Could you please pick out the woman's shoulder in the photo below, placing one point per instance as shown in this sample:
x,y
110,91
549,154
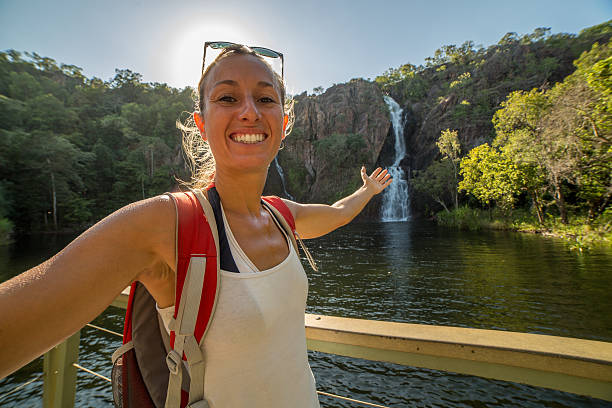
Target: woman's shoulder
x,y
149,224
151,211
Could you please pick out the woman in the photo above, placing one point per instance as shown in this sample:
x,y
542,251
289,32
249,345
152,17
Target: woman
x,y
241,117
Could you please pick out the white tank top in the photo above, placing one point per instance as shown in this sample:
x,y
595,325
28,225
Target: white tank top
x,y
255,348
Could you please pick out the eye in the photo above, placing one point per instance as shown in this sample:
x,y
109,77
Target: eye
x,y
226,98
266,99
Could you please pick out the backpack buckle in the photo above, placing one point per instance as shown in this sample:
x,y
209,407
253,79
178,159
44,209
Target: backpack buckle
x,y
173,360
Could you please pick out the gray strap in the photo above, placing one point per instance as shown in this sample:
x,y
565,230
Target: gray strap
x,y
121,350
175,365
195,359
191,295
198,404
185,322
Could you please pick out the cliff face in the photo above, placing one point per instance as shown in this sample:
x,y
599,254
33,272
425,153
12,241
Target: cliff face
x,y
333,135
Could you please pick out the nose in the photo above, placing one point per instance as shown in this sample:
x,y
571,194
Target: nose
x,y
249,111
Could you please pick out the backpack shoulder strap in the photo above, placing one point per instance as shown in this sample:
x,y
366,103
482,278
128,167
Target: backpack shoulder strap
x,y
197,287
283,213
127,325
282,208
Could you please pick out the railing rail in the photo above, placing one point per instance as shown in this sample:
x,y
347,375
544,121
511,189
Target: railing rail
x,y
577,366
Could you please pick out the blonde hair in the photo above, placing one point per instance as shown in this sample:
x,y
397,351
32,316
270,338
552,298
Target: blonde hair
x,y
196,151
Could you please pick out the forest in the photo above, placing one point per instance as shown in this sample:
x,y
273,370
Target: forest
x,y
74,149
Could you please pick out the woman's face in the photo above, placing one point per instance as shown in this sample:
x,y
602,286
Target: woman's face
x,y
243,117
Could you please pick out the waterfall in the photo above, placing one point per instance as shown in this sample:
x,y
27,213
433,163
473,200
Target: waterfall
x,y
279,169
395,197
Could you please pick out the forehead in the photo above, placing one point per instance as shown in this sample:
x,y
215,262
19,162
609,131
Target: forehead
x,y
243,70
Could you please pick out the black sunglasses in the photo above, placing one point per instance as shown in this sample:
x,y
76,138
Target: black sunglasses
x,y
264,52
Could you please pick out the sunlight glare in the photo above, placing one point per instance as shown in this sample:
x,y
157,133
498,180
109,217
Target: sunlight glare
x,y
188,48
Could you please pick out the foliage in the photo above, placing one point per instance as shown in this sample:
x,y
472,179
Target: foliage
x,y
436,181
450,149
491,176
73,149
340,149
579,234
342,154
463,218
565,134
318,90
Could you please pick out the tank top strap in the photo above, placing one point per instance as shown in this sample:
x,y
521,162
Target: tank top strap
x,y
226,261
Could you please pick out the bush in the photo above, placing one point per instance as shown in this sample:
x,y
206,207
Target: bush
x,y
463,218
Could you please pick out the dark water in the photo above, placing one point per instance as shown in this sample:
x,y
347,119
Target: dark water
x,y
407,272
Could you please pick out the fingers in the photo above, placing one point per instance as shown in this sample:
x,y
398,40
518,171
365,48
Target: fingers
x,y
381,175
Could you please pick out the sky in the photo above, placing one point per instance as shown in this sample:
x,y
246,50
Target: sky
x,y
323,42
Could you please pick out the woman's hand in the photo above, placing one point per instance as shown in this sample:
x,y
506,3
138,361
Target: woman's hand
x,y
377,181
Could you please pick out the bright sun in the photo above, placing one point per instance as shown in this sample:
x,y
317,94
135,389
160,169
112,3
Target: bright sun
x,y
188,46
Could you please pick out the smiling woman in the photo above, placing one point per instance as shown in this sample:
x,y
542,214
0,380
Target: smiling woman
x,y
255,344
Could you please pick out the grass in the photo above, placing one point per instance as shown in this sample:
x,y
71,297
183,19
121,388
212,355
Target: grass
x,y
579,233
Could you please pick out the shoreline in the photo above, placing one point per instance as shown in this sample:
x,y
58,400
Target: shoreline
x,y
578,234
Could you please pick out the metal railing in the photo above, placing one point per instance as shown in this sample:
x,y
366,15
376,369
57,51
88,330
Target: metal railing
x,y
577,366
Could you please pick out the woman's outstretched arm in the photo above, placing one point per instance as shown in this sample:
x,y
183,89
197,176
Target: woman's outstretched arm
x,y
45,305
315,220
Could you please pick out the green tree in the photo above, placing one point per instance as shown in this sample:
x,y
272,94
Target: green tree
x,y
491,177
438,182
581,116
318,90
449,147
521,134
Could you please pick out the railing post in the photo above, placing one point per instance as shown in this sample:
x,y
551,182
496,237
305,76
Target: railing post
x,y
59,386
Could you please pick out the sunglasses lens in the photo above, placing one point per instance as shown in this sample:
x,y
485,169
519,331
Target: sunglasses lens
x,y
266,52
220,45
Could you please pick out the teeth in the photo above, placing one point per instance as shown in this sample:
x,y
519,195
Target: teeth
x,y
249,138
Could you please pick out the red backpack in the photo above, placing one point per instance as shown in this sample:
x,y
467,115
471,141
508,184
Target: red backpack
x,y
148,369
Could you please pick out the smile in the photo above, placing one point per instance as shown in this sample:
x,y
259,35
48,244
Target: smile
x,y
248,138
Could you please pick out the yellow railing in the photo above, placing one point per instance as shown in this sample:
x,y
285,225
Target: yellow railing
x,y
577,366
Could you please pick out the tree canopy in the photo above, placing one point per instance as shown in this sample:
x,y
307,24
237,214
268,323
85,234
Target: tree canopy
x,y
74,149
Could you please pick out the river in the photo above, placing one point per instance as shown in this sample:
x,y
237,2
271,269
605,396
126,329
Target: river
x,y
410,272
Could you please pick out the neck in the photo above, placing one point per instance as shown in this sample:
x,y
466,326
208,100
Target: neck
x,y
240,193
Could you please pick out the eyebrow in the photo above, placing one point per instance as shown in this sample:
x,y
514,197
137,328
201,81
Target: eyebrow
x,y
261,84
265,84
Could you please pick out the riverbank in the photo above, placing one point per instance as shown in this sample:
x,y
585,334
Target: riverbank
x,y
579,233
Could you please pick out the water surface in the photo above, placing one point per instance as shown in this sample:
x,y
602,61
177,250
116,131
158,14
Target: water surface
x,y
409,272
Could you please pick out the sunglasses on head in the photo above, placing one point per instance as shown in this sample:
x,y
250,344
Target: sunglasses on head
x,y
264,52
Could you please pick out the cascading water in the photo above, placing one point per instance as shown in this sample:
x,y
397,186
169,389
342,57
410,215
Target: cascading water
x,y
395,197
279,169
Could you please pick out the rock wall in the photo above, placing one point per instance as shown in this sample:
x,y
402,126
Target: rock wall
x,y
333,135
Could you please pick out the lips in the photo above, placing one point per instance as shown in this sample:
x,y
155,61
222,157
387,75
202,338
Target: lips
x,y
248,138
